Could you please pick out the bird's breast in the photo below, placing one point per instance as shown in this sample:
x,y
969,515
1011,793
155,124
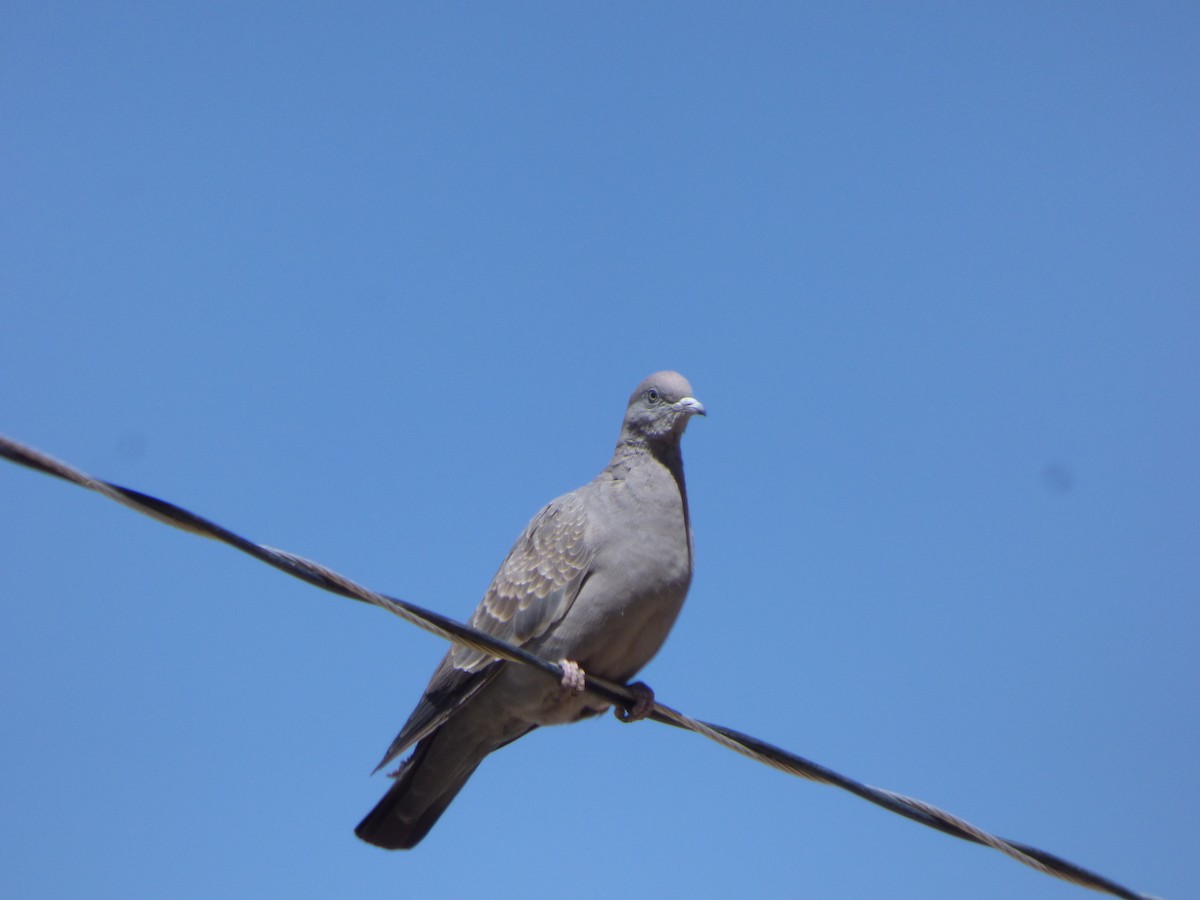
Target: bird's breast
x,y
637,582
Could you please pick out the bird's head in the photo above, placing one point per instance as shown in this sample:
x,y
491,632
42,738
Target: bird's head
x,y
660,407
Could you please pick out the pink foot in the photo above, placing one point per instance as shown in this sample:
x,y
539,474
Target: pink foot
x,y
572,678
643,704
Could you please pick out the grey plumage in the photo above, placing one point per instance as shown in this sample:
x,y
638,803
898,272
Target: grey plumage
x,y
597,577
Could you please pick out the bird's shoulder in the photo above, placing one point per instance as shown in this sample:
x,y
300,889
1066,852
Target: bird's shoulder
x,y
539,578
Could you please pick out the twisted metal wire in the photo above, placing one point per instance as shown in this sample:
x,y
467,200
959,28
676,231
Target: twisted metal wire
x,y
616,694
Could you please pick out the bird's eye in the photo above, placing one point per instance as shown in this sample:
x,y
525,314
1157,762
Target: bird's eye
x,y
652,396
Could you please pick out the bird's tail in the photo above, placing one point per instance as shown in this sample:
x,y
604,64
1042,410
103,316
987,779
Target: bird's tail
x,y
425,784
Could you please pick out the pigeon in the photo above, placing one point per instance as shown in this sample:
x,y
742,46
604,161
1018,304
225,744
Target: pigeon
x,y
595,582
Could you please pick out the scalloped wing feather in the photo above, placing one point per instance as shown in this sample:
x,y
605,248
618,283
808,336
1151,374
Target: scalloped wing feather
x,y
538,581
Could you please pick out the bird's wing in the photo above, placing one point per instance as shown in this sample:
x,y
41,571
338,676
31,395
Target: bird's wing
x,y
532,591
538,581
448,690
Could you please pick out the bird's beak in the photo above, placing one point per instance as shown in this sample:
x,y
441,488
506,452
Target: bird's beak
x,y
692,406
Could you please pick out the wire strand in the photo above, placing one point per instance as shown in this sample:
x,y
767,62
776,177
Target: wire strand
x,y
617,694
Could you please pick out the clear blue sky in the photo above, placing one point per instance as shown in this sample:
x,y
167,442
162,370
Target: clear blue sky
x,y
372,282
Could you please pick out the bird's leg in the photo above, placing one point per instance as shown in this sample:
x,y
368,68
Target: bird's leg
x,y
643,703
572,678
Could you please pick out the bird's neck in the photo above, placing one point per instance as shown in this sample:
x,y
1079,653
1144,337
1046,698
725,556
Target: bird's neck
x,y
631,448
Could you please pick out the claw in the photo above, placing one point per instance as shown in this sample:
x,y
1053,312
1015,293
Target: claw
x,y
643,703
572,678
